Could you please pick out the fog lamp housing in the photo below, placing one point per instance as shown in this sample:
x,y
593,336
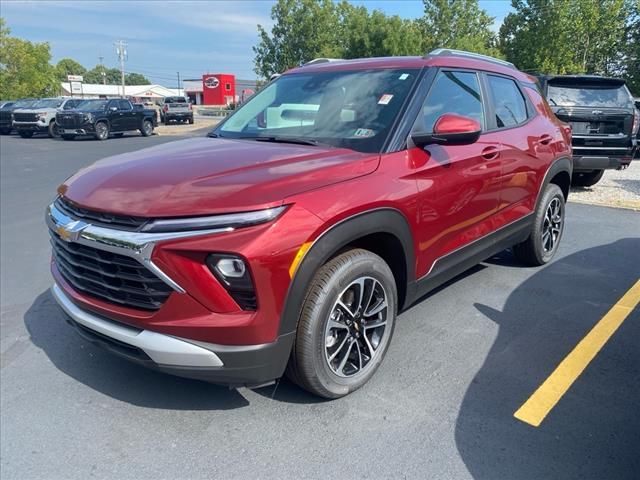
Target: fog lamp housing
x,y
233,273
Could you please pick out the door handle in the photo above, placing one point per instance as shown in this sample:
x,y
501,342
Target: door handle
x,y
490,153
545,139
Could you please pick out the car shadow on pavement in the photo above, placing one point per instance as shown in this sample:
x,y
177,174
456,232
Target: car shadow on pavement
x,y
594,430
114,376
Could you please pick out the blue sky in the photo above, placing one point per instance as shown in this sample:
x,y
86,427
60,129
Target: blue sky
x,y
164,37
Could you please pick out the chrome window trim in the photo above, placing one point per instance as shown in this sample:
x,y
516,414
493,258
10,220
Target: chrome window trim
x,y
137,245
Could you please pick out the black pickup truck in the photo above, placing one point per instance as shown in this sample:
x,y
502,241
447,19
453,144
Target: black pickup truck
x,y
6,113
603,119
102,118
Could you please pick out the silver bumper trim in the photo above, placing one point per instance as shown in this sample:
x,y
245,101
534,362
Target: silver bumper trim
x,y
162,349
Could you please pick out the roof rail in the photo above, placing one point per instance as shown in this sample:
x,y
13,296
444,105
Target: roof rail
x,y
321,60
462,53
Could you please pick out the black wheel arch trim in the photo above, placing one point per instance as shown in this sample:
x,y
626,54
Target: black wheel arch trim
x,y
329,242
563,164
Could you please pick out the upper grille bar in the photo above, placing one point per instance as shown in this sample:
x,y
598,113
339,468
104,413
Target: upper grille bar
x,y
124,222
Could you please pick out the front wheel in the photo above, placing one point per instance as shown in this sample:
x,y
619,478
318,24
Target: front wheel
x,y
546,231
586,179
102,131
25,133
346,325
53,130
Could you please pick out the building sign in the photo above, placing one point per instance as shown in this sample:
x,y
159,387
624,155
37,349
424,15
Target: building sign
x,y
75,78
76,88
212,82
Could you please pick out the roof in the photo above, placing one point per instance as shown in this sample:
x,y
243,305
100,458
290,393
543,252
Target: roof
x,y
442,59
149,91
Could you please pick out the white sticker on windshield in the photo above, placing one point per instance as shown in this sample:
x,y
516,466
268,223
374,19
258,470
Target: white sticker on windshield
x,y
404,76
364,133
385,99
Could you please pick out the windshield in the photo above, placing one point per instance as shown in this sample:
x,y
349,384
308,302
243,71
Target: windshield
x,y
352,109
24,103
92,105
175,100
589,96
48,103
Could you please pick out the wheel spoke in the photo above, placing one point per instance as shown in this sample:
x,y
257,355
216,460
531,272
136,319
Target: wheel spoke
x,y
371,325
359,355
343,362
346,309
340,347
367,302
335,324
368,344
377,309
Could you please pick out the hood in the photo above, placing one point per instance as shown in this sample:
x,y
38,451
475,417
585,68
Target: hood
x,y
210,175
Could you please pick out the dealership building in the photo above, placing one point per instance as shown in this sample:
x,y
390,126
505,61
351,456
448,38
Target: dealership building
x,y
218,89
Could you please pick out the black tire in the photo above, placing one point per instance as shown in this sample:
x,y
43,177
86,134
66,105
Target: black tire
x,y
5,131
586,179
147,128
310,365
25,133
102,131
53,130
68,136
190,120
546,231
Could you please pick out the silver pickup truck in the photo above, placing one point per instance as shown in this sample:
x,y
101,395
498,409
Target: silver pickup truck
x,y
41,116
175,108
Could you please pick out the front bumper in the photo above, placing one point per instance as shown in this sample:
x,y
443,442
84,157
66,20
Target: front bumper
x,y
30,126
249,365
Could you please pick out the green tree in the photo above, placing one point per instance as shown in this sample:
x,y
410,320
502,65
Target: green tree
x,y
136,79
68,66
458,24
564,36
302,30
24,68
111,75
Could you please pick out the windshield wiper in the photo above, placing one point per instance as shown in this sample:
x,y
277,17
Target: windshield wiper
x,y
295,140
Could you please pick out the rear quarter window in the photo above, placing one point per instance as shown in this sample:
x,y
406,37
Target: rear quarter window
x,y
510,107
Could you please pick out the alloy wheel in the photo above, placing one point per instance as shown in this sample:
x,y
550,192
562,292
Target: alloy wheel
x,y
101,130
356,327
552,225
148,127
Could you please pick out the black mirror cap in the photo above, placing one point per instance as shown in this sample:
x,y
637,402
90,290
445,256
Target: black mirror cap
x,y
422,139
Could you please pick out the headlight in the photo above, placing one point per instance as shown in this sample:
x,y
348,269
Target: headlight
x,y
42,118
12,117
230,221
88,117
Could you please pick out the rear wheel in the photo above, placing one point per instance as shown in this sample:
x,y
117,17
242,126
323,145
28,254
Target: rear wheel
x,y
546,231
102,131
147,128
346,325
68,136
586,179
25,133
53,130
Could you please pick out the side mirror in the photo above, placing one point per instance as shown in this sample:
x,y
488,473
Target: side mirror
x,y
113,109
450,129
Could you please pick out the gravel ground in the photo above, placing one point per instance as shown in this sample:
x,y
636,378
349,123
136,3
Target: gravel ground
x,y
618,188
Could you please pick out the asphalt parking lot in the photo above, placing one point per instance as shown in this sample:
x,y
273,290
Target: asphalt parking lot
x,y
441,406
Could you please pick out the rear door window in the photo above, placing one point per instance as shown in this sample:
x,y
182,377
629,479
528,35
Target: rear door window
x,y
452,92
510,107
124,105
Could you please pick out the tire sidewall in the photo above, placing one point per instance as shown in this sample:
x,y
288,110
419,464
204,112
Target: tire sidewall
x,y
368,265
106,135
143,129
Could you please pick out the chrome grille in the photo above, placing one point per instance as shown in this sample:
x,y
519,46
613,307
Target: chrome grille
x,y
108,276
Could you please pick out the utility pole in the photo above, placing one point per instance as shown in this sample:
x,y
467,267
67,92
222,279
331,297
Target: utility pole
x,y
102,72
121,51
178,82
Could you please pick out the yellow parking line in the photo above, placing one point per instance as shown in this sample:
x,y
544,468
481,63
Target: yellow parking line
x,y
536,408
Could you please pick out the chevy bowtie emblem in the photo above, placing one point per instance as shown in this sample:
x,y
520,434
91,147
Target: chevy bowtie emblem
x,y
71,231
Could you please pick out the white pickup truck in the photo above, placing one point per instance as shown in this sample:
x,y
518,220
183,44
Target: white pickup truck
x,y
41,116
175,108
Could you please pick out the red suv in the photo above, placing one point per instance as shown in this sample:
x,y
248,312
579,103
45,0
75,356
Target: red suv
x,y
292,236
